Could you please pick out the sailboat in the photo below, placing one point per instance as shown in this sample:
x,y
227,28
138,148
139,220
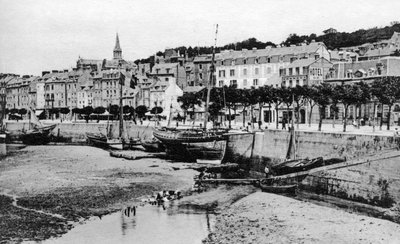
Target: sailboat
x,y
201,145
39,134
106,141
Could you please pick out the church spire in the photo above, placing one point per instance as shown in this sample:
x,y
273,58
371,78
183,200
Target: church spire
x,y
117,49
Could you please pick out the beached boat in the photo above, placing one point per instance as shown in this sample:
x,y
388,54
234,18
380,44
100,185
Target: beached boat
x,y
201,145
288,189
100,140
37,136
153,145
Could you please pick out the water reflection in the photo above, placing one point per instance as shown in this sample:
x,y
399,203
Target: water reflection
x,y
150,224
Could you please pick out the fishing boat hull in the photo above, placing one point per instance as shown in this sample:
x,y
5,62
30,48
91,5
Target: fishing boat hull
x,y
288,189
153,146
38,136
193,146
102,141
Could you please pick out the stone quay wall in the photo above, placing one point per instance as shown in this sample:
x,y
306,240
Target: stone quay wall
x,y
375,182
76,131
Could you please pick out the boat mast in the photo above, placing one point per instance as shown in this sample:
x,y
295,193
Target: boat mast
x,y
121,114
210,82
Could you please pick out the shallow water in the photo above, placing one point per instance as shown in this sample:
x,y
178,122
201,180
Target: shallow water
x,y
151,224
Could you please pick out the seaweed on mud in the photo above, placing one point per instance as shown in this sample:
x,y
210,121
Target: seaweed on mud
x,y
18,224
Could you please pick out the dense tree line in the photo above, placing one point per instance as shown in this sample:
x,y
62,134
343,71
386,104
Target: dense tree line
x,y
383,91
331,40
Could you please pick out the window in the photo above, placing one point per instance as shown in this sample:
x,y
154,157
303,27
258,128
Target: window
x,y
304,70
233,62
233,82
245,72
52,87
244,61
201,76
269,70
169,70
157,71
232,72
297,70
256,71
221,83
268,60
256,61
290,83
290,71
221,73
166,79
200,66
255,82
297,82
244,82
316,56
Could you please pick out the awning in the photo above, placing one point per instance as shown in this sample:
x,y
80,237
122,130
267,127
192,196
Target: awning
x,y
38,112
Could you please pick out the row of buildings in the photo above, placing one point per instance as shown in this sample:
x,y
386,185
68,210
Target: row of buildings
x,y
97,82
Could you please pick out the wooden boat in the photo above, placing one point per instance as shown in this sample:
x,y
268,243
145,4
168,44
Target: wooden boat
x,y
194,145
37,136
289,189
153,145
103,141
200,145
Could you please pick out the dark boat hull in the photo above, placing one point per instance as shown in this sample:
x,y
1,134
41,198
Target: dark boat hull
x,y
288,189
193,146
99,140
153,146
39,136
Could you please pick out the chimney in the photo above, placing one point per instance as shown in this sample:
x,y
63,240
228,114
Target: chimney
x,y
45,73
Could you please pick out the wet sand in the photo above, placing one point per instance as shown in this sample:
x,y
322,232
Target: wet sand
x,y
60,185
269,218
75,182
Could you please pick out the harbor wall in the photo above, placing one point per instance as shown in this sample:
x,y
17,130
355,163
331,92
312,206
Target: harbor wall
x,y
374,182
76,131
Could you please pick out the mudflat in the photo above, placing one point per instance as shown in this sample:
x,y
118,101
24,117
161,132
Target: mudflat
x,y
44,189
269,218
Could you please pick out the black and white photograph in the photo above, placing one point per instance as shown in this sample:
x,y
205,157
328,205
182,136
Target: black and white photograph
x,y
199,122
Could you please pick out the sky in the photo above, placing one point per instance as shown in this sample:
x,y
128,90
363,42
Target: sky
x,y
51,34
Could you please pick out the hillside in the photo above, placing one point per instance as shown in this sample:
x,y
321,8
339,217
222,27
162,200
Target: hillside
x,y
331,40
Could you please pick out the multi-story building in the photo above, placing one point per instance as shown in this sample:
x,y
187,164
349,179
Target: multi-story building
x,y
254,68
367,71
305,72
202,65
164,71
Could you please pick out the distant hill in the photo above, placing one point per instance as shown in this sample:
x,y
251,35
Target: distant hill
x,y
344,39
332,41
